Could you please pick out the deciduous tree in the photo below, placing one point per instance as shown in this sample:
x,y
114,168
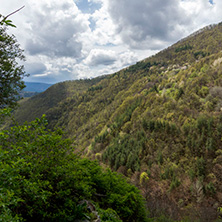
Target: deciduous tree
x,y
11,70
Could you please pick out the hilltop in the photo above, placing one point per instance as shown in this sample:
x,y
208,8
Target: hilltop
x,y
160,118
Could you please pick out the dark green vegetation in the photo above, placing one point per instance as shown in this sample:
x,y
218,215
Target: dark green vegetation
x,y
26,94
11,73
159,122
41,179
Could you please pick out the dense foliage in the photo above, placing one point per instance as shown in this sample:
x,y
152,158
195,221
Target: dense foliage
x,y
11,73
41,179
157,122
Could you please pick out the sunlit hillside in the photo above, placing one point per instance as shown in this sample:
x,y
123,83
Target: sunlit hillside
x,y
161,118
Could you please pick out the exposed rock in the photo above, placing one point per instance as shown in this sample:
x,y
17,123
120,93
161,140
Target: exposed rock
x,y
217,62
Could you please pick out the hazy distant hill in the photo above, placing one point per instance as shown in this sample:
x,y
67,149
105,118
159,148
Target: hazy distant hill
x,y
36,86
161,116
33,88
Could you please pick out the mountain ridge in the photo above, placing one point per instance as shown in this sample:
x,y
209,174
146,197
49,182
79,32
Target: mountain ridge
x,y
161,116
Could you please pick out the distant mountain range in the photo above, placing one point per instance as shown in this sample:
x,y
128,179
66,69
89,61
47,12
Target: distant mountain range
x,y
36,87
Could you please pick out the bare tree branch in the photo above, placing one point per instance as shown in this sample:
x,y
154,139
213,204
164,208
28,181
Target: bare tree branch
x,y
11,14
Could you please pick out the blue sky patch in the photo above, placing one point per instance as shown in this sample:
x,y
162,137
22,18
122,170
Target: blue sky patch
x,y
87,7
92,24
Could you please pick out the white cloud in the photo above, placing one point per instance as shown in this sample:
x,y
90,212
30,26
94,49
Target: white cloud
x,y
148,24
55,29
154,24
62,41
104,32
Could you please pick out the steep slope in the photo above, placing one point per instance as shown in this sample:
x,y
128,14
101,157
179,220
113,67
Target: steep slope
x,y
159,122
42,103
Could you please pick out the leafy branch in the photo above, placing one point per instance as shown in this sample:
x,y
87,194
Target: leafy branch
x,y
9,22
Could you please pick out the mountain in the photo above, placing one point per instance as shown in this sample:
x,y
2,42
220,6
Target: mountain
x,y
36,86
33,88
159,119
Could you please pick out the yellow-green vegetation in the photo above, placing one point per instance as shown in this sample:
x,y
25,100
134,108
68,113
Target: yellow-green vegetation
x,y
161,117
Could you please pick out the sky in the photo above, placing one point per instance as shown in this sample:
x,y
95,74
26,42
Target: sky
x,y
78,39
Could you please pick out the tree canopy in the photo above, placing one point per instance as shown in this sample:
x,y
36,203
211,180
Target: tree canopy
x,y
11,70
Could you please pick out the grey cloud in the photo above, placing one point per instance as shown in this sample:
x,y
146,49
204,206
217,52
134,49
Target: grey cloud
x,y
43,79
140,22
100,58
69,48
51,78
35,68
55,34
34,48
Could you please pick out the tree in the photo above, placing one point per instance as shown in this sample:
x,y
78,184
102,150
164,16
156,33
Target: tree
x,y
11,72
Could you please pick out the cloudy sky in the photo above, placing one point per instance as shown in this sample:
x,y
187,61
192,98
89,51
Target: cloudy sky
x,y
73,39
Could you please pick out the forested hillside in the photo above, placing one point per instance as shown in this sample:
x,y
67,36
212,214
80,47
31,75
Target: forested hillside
x,y
158,122
42,176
